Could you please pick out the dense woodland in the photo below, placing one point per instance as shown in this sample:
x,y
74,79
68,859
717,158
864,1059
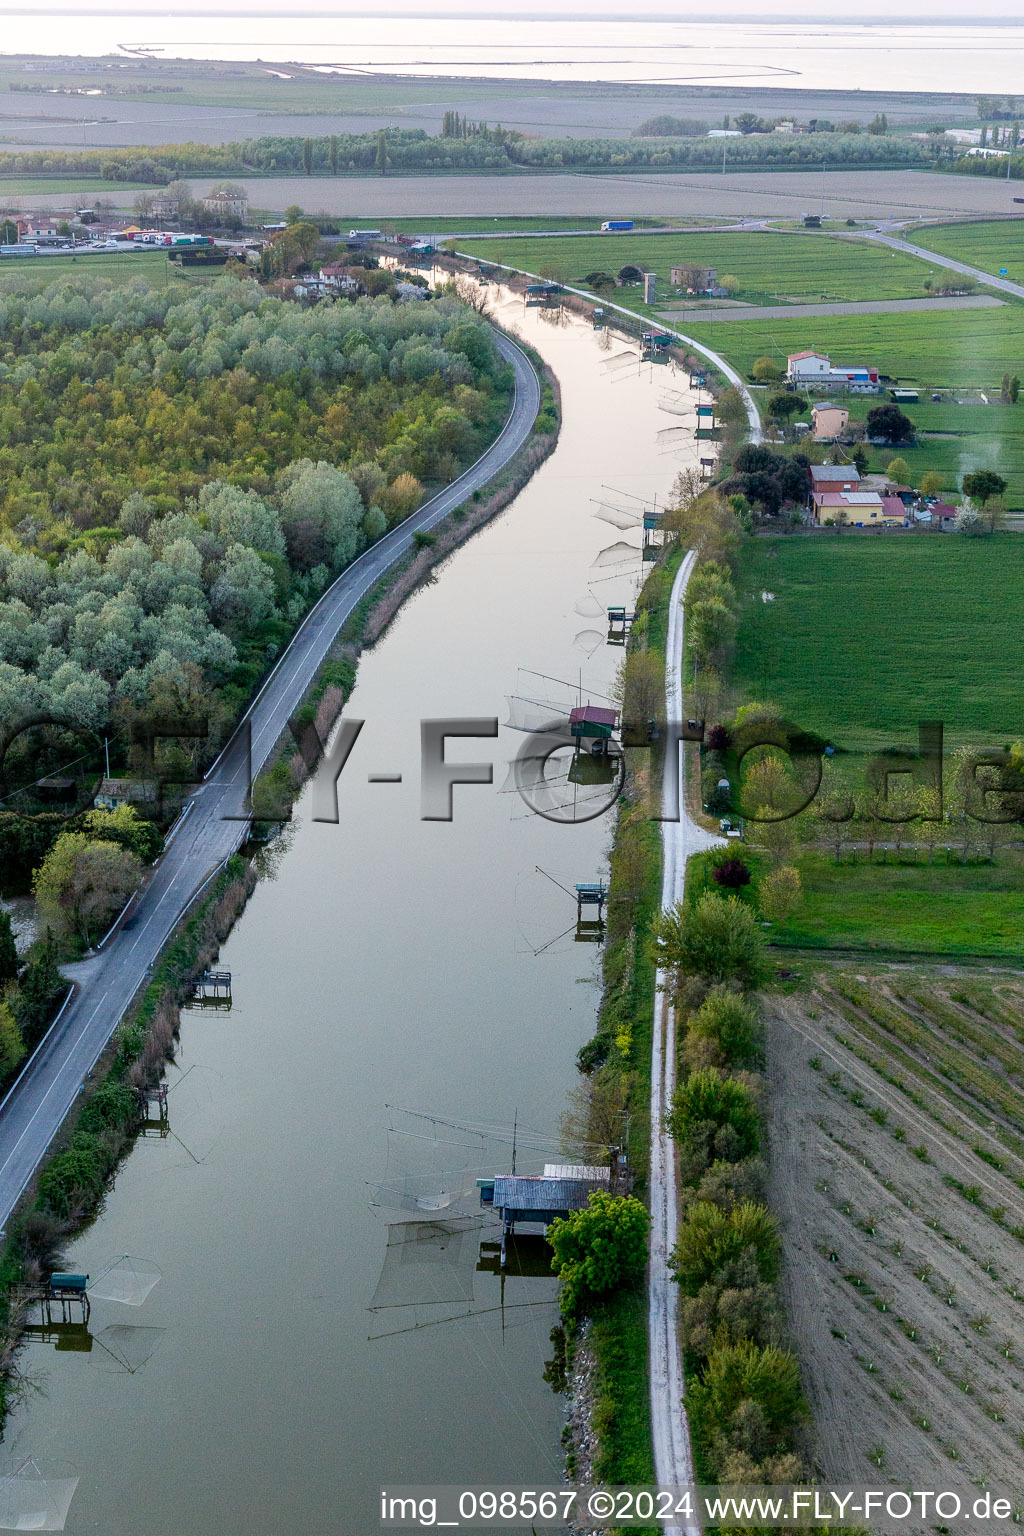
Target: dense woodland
x,y
182,472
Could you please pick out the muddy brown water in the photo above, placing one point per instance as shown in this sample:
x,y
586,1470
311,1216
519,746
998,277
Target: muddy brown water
x,y
389,961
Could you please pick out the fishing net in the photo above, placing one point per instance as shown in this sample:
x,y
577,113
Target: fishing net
x,y
126,1280
620,517
675,402
125,1347
588,641
672,434
616,554
31,1502
428,1263
618,360
537,714
588,607
431,1167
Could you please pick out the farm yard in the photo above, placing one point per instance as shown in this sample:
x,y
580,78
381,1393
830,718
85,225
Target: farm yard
x,y
867,635
767,265
989,244
897,1157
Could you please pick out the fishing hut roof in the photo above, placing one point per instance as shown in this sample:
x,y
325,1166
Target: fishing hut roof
x,y
524,1192
592,714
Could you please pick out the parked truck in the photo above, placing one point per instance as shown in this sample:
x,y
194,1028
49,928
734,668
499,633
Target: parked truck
x,y
616,224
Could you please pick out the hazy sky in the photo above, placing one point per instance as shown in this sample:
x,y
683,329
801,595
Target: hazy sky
x,y
918,10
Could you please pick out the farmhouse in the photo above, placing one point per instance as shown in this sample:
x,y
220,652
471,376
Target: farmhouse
x,y
817,368
828,421
834,478
336,278
858,508
226,205
699,279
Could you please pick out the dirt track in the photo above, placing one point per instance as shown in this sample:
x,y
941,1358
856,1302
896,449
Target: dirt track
x,y
905,1296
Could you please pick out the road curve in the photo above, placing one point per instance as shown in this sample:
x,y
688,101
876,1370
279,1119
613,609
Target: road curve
x,y
736,379
673,1458
1005,284
214,825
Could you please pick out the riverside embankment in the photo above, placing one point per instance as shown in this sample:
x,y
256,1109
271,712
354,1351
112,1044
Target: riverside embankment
x,y
391,961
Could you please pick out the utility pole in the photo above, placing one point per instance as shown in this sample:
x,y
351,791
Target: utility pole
x,y
106,748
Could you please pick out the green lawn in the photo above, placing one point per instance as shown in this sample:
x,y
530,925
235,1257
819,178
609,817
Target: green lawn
x,y
70,186
767,264
103,264
866,636
943,348
939,909
990,244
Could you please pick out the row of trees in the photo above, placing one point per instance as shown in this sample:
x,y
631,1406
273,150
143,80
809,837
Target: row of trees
x,y
479,147
745,1403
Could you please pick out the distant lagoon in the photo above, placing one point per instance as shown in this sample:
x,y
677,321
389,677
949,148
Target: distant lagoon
x,y
986,57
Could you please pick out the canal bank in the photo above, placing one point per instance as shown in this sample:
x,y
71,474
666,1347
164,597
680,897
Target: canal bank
x,y
391,961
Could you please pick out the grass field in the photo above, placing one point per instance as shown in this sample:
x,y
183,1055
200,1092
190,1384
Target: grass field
x,y
939,348
867,636
955,439
946,909
988,244
70,186
103,264
768,265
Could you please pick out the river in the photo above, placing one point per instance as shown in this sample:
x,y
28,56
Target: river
x,y
389,961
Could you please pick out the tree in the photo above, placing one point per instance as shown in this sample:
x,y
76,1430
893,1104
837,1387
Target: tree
x,y
748,122
12,1046
332,153
292,214
766,370
8,951
783,405
890,425
307,156
127,828
82,884
598,1249
710,630
381,160
744,1374
779,893
717,939
1014,389
931,483
725,1018
708,1102
730,283
898,471
8,232
730,874
710,1238
983,484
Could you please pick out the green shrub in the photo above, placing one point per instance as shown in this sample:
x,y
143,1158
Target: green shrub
x,y
707,1098
710,1239
598,1249
727,1019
